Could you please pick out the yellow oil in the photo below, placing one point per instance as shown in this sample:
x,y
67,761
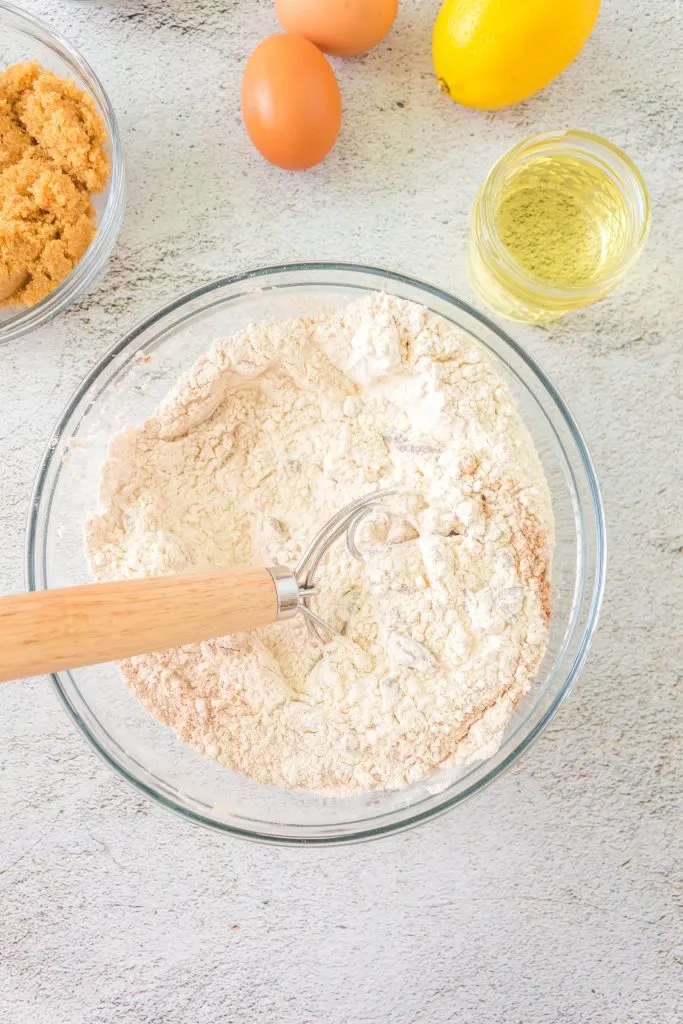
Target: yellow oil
x,y
564,220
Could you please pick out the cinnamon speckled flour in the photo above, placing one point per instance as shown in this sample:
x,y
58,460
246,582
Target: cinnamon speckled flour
x,y
446,619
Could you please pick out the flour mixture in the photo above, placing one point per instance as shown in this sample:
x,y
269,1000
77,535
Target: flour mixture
x,y
443,623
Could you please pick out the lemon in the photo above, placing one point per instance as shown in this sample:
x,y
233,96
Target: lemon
x,y
493,53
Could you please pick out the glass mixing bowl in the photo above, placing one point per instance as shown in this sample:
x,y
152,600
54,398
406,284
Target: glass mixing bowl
x,y
127,385
23,37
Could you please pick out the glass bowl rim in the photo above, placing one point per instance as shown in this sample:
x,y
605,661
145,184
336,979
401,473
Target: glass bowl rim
x,y
39,499
87,269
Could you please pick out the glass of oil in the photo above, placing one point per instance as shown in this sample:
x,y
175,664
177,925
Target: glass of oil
x,y
557,224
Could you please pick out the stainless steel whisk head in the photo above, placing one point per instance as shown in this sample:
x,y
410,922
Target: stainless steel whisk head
x,y
296,588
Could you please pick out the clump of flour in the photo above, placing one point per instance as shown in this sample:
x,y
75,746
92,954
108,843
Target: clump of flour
x,y
446,619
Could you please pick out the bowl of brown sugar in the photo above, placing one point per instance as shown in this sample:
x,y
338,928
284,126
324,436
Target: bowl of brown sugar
x,y
61,174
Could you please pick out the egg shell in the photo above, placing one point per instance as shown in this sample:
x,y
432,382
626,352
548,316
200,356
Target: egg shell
x,y
291,104
343,28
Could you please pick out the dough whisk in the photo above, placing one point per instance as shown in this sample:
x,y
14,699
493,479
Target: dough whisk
x,y
51,630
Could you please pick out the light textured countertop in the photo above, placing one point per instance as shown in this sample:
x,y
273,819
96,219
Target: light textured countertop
x,y
552,897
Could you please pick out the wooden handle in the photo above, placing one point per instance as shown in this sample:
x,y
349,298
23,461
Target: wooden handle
x,y
51,630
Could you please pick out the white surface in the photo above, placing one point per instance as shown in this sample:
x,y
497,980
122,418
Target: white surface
x,y
551,898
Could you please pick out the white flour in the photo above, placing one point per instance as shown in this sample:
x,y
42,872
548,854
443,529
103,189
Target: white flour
x,y
444,624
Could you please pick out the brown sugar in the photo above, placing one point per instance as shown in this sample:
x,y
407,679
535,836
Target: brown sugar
x,y
52,161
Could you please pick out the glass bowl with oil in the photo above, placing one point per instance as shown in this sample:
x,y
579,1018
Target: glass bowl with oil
x,y
557,224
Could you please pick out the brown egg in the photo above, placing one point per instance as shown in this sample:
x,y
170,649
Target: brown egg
x,y
341,27
291,102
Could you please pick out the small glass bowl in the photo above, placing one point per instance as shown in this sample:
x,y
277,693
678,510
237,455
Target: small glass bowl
x,y
125,388
506,285
23,37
